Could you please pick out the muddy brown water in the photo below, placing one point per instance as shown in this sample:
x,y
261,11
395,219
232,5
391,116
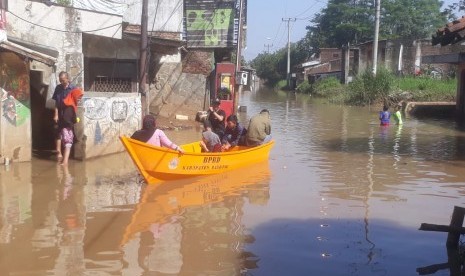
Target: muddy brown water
x,y
339,196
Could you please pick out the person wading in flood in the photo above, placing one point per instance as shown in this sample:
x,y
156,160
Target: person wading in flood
x,y
384,116
61,91
68,119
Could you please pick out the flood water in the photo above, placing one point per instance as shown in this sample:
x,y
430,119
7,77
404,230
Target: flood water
x,y
339,196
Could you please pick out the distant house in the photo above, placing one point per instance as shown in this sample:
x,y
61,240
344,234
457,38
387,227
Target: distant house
x,y
327,64
450,36
403,57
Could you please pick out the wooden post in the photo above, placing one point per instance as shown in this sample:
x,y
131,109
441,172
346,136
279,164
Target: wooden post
x,y
143,59
456,221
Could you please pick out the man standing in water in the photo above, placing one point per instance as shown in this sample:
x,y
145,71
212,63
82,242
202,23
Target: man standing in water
x,y
259,130
61,91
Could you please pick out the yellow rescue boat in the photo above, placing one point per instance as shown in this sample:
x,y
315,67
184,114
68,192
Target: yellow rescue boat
x,y
161,164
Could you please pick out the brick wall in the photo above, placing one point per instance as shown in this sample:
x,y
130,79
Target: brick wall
x,y
329,54
198,62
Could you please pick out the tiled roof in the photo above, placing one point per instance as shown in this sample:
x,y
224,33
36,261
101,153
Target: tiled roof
x,y
452,33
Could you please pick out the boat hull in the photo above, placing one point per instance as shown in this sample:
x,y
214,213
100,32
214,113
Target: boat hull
x,y
161,164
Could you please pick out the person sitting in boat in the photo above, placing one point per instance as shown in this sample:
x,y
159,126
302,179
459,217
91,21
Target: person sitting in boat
x,y
259,130
210,141
150,134
234,134
216,117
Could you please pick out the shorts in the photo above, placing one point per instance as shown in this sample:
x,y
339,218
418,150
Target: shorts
x,y
67,137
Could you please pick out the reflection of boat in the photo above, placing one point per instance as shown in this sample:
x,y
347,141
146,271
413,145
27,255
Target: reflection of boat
x,y
160,202
156,163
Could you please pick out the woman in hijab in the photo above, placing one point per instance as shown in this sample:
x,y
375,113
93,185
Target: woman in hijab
x,y
67,121
150,134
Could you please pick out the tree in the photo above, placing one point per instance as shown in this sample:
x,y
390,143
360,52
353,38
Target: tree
x,y
272,67
341,22
352,21
411,19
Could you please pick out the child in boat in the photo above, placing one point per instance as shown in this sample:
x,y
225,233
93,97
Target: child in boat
x,y
384,116
150,134
398,115
210,140
234,134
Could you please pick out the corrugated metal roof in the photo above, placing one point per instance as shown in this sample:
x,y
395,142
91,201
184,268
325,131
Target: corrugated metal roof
x,y
452,33
8,45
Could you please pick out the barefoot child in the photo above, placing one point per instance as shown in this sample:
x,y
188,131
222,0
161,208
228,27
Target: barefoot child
x,y
67,123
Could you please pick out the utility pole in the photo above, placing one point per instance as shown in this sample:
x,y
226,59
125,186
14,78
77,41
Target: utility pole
x,y
375,40
289,49
238,60
268,47
143,59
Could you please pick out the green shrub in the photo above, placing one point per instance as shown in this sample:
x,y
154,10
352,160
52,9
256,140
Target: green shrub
x,y
368,88
327,87
323,88
281,85
305,88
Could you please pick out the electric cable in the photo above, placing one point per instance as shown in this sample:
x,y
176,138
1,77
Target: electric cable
x,y
63,31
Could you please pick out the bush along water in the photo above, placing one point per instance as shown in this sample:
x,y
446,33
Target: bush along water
x,y
327,87
382,88
368,88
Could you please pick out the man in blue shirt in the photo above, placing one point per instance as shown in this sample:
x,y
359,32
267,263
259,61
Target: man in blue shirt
x,y
61,91
234,134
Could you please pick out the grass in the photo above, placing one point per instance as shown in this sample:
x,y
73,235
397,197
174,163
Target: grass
x,y
382,88
428,89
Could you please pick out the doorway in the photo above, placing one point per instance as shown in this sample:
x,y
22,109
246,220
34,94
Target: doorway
x,y
43,138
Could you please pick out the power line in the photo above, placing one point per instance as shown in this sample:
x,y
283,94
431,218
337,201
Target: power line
x,y
63,31
277,33
306,10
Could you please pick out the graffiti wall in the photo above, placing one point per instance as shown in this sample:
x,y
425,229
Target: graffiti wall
x,y
106,116
15,123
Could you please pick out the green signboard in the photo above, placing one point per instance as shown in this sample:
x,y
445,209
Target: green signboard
x,y
210,24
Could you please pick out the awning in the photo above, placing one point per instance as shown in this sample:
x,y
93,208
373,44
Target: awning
x,y
26,52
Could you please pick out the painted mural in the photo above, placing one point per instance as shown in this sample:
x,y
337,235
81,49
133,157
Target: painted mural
x,y
107,118
15,91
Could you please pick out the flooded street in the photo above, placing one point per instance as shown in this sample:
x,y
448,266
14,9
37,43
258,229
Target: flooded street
x,y
339,196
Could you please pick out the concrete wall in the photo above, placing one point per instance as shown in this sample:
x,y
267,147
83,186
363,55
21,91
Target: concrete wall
x,y
105,117
168,13
15,121
179,86
388,55
68,44
109,48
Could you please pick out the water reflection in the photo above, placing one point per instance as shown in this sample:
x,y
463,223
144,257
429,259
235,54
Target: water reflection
x,y
345,197
193,226
46,210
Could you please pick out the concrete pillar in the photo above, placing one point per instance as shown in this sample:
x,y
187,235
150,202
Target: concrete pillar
x,y
461,93
345,66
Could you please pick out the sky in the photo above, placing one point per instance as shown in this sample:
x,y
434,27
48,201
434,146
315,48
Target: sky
x,y
265,25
